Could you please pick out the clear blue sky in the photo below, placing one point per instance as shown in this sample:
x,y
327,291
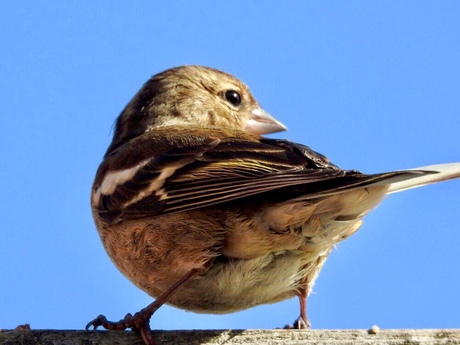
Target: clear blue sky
x,y
374,85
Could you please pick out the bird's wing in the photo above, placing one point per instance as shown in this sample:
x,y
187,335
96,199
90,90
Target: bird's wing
x,y
205,171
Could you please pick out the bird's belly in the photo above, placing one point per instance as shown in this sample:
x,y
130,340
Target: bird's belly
x,y
241,284
227,285
237,284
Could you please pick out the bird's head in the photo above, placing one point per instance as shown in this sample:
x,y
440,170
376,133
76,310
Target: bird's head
x,y
193,96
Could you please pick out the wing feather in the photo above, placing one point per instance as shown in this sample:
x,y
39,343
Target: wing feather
x,y
205,172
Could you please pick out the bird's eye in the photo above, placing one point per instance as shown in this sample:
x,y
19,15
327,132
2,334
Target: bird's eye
x,y
233,97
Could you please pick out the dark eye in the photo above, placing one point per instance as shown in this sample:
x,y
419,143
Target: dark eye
x,y
233,97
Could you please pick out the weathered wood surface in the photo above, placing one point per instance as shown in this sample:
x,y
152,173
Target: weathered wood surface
x,y
231,337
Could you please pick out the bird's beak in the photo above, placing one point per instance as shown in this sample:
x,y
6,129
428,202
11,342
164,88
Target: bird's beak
x,y
261,122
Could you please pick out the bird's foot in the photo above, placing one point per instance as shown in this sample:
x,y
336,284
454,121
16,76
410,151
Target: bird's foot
x,y
138,323
299,323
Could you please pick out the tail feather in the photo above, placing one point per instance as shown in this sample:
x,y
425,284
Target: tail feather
x,y
395,181
430,174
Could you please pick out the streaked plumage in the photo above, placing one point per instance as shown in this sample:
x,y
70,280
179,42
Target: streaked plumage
x,y
189,184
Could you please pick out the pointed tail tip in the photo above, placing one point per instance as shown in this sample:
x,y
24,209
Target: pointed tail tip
x,y
430,174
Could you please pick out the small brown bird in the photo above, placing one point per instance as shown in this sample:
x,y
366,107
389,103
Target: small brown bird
x,y
201,212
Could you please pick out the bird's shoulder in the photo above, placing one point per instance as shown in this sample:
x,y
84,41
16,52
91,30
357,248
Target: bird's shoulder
x,y
222,143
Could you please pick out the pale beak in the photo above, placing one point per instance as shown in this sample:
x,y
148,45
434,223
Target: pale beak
x,y
262,122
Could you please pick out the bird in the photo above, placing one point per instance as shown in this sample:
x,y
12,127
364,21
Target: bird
x,y
202,212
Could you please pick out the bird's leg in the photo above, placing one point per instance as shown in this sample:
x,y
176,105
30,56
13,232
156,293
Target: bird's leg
x,y
140,321
302,321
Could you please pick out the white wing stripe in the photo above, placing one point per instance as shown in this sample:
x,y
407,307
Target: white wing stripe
x,y
113,179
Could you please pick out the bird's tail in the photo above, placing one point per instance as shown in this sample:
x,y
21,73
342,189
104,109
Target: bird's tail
x,y
394,181
433,174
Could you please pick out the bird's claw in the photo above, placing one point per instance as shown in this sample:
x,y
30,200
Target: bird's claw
x,y
129,321
299,323
139,323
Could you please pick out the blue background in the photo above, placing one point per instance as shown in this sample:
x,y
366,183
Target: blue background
x,y
374,85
